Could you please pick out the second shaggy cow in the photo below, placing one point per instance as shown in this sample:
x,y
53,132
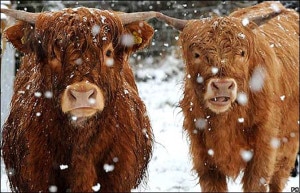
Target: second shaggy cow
x,y
241,96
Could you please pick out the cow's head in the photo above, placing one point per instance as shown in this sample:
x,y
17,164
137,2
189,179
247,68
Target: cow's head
x,y
219,53
83,52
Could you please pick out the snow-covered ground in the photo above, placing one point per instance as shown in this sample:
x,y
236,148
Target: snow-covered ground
x,y
170,167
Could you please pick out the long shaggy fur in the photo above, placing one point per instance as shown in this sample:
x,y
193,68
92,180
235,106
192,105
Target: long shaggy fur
x,y
238,50
38,138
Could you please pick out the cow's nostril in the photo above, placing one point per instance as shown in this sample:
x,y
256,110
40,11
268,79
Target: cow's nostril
x,y
72,94
214,85
231,86
92,94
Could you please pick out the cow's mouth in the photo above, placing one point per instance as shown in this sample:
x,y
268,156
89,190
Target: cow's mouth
x,y
220,100
82,112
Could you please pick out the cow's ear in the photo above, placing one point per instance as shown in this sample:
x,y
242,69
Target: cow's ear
x,y
137,35
20,36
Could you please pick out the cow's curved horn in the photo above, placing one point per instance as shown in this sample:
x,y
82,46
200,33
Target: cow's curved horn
x,y
259,20
21,15
127,18
178,24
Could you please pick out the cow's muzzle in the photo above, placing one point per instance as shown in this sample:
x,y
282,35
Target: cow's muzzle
x,y
82,99
220,94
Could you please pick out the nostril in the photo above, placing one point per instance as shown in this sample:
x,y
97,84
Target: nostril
x,y
72,95
92,94
214,85
231,86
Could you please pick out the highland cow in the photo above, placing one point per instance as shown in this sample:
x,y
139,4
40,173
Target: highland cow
x,y
241,96
76,121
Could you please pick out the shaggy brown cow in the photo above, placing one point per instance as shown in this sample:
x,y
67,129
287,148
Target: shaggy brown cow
x,y
241,96
77,122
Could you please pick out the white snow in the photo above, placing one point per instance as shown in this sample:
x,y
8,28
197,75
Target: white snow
x,y
214,70
199,79
241,35
201,123
97,187
109,62
242,98
52,188
63,167
246,155
95,30
245,21
127,40
79,61
48,94
241,120
210,152
275,143
108,167
275,8
37,94
257,79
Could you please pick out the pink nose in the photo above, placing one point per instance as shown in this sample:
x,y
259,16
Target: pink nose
x,y
223,86
82,95
82,99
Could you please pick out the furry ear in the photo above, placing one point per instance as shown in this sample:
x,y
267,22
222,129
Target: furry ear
x,y
137,35
20,36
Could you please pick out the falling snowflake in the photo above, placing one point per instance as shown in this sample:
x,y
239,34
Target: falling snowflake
x,y
241,120
246,155
200,123
275,8
127,40
109,62
275,142
95,30
78,61
257,79
48,94
92,101
37,94
214,70
115,159
96,188
210,152
241,35
52,188
199,79
242,98
245,21
108,168
292,134
63,167
74,118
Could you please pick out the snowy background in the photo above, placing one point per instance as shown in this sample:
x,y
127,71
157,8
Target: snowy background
x,y
160,82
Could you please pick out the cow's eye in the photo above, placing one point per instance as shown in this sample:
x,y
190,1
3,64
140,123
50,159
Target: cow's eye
x,y
196,55
242,53
108,53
